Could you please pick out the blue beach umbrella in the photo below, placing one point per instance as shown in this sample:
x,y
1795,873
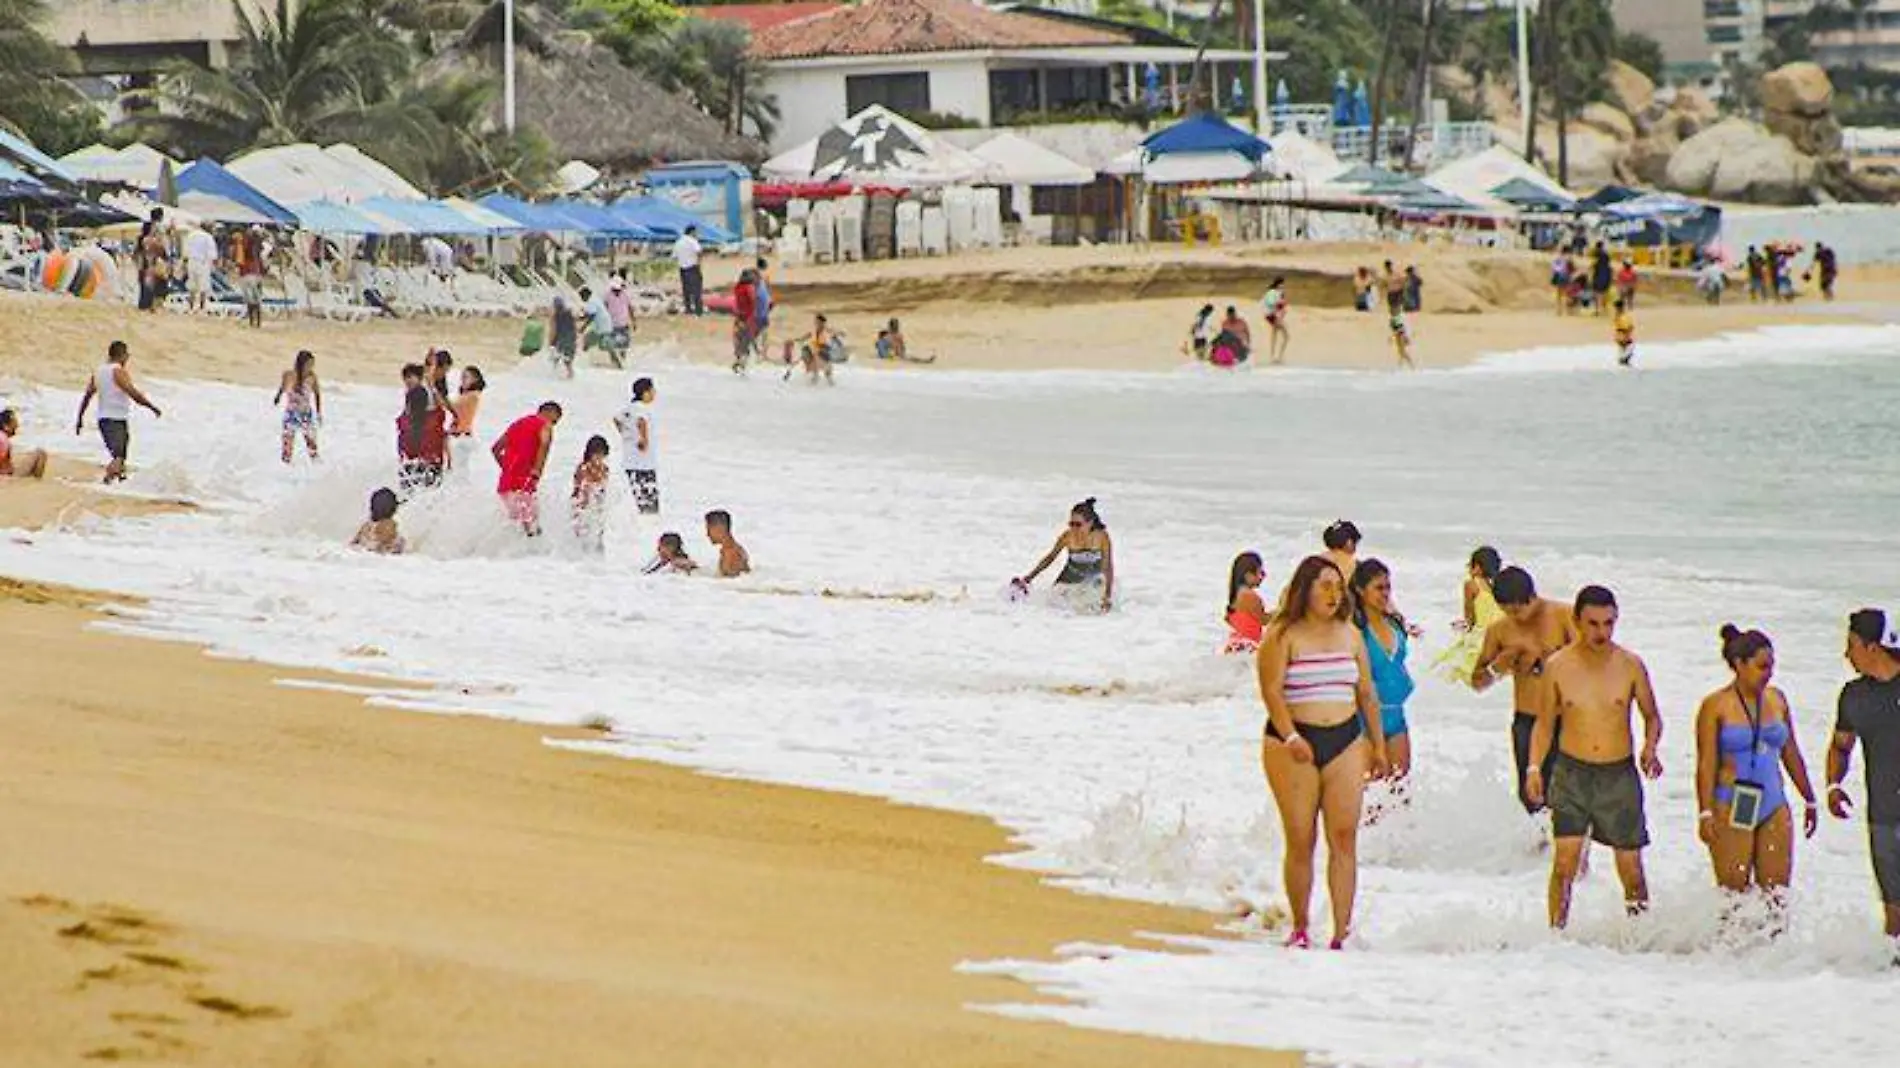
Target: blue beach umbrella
x,y
1361,106
1342,100
1281,94
1151,85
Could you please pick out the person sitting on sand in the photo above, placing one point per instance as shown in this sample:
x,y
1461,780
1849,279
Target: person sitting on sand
x,y
380,534
1247,613
18,463
733,560
894,344
670,557
1362,289
1090,568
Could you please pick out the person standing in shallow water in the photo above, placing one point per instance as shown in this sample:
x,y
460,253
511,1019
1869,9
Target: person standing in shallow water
x,y
522,454
1596,783
1744,737
1090,568
639,447
1387,644
1323,739
112,384
1247,614
1869,717
302,397
1519,645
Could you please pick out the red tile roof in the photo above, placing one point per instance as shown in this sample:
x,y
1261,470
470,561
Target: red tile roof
x,y
757,17
891,27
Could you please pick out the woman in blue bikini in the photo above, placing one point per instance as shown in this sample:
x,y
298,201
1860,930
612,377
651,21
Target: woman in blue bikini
x,y
1387,643
1744,740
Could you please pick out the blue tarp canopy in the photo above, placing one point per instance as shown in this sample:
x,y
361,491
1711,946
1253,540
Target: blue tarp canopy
x,y
1206,132
24,156
1654,206
1608,195
667,219
207,176
1435,202
599,221
542,217
426,216
327,217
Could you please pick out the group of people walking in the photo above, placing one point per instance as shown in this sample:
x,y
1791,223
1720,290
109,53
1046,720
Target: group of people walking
x,y
1333,676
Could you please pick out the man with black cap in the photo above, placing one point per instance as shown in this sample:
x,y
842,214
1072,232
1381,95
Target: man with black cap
x,y
1870,716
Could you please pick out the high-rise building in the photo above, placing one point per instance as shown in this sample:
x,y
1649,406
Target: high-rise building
x,y
134,36
1699,37
1868,37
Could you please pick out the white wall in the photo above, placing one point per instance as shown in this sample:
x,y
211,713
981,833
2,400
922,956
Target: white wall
x,y
812,98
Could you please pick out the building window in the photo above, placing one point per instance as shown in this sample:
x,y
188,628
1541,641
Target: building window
x,y
906,94
1721,9
1725,34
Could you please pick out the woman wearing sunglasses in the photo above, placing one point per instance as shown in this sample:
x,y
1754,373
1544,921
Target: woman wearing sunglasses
x,y
1088,575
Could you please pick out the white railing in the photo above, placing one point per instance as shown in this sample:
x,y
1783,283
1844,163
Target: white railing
x,y
1438,144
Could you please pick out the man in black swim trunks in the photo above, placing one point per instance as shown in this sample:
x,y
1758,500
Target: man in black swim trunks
x,y
1518,645
1870,716
1595,790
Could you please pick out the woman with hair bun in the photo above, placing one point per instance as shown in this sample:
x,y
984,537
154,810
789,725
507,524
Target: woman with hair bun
x,y
1744,739
1088,576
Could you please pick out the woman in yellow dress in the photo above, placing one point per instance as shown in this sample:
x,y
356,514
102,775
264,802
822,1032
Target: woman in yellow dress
x,y
1481,610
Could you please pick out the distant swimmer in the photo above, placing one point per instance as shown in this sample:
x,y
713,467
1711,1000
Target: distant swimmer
x,y
1480,611
733,559
669,557
302,397
1595,790
1625,330
1274,303
1869,717
379,534
522,452
589,497
422,442
112,384
1088,576
16,462
1246,613
1744,738
1518,645
1324,737
639,447
1342,546
1387,646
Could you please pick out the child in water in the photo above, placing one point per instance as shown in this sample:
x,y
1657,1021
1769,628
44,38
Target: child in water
x,y
733,560
380,534
590,494
1625,326
670,558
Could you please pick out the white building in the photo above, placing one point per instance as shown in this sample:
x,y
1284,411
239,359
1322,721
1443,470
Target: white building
x,y
956,57
134,36
1858,35
1698,37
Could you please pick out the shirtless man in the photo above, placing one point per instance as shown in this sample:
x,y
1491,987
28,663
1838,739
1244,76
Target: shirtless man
x,y
1519,646
1595,789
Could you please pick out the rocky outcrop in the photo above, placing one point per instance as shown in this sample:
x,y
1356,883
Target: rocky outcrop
x,y
1738,160
1630,89
1607,119
1798,103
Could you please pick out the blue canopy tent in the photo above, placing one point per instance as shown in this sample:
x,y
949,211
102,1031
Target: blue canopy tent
x,y
1205,132
542,218
328,217
208,177
668,219
601,222
1657,219
428,216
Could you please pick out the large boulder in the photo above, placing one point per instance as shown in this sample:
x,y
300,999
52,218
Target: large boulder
x,y
1798,89
1650,155
1630,89
1692,112
1609,120
1738,160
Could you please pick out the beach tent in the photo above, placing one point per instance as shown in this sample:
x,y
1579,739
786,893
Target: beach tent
x,y
428,216
666,219
218,187
605,222
23,156
1655,219
542,218
1202,149
1654,206
1529,196
1372,179
135,166
488,222
1298,158
294,174
328,217
879,147
1019,161
1608,195
1474,177
1204,133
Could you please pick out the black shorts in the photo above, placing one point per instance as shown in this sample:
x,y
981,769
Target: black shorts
x,y
646,491
117,434
1521,726
1884,840
1603,801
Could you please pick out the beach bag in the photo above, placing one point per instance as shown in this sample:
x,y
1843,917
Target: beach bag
x,y
534,337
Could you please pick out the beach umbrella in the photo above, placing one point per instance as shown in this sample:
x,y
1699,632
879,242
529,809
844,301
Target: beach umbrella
x,y
1151,83
1239,93
167,185
1361,105
1342,100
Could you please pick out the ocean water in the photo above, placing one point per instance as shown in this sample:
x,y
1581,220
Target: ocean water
x,y
1749,479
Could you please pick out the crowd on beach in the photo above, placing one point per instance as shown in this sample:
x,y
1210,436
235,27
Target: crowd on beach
x,y
1333,669
1228,342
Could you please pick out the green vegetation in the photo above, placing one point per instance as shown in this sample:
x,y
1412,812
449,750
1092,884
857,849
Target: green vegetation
x,y
705,60
35,98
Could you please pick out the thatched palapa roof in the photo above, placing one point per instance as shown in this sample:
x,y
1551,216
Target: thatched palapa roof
x,y
584,100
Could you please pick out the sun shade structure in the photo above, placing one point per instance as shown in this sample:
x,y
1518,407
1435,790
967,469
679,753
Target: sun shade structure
x,y
1205,133
327,217
295,174
135,166
22,154
1529,196
427,216
209,178
668,219
1020,161
879,147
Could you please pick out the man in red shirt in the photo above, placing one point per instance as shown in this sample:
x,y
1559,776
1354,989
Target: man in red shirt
x,y
521,452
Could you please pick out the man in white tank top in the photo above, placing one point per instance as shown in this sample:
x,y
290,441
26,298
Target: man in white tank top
x,y
112,384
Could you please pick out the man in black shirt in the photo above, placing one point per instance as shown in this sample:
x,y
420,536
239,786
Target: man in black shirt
x,y
1870,715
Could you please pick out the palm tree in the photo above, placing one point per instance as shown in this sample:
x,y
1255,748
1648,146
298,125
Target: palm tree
x,y
1391,15
34,98
711,62
1419,80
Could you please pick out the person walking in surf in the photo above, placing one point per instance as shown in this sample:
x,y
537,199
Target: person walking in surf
x,y
1869,718
1518,646
1323,739
112,384
639,447
1595,788
522,454
302,397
